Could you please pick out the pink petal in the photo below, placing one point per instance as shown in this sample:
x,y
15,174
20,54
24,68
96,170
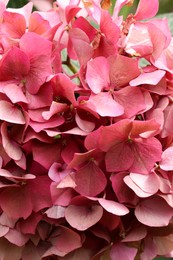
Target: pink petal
x,y
119,157
66,240
12,200
146,154
81,46
154,212
114,134
97,74
137,103
167,159
84,124
146,10
143,185
15,93
121,251
54,109
56,212
90,180
14,64
11,148
17,238
113,207
151,78
39,54
119,74
41,153
105,105
83,217
13,24
136,234
11,113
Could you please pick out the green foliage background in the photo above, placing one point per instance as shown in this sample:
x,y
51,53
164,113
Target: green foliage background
x,y
165,10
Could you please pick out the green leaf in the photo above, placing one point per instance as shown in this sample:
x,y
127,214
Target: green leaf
x,y
169,16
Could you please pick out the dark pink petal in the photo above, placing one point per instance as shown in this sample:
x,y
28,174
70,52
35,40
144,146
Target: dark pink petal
x,y
29,225
41,153
64,87
80,158
9,251
119,74
114,134
61,197
71,11
39,192
90,180
121,251
108,27
146,9
119,158
113,207
123,193
65,239
105,105
153,212
11,113
97,74
137,233
83,217
14,64
12,201
30,252
39,54
85,26
167,159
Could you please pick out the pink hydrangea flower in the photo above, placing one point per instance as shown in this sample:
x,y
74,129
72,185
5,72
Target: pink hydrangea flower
x,y
86,137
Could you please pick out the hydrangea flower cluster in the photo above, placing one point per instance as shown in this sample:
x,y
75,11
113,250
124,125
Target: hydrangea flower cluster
x,y
86,132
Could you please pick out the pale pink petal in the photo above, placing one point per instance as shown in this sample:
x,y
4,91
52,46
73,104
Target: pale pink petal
x,y
11,113
83,124
113,207
167,159
105,105
151,78
83,217
153,212
56,212
146,9
15,93
97,74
